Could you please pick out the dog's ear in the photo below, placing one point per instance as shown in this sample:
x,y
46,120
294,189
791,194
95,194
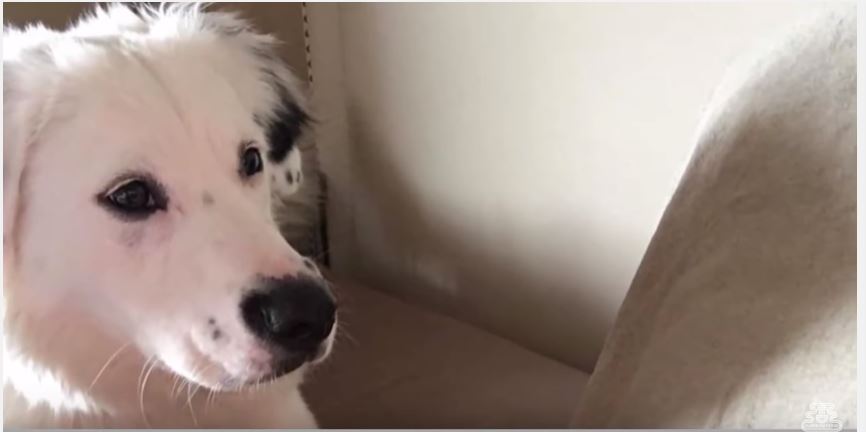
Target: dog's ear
x,y
288,117
24,113
16,125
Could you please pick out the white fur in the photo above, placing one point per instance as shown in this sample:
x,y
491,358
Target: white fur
x,y
106,321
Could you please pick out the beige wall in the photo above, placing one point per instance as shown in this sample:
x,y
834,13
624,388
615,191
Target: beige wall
x,y
508,163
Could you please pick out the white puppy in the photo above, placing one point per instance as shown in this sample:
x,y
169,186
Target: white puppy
x,y
146,282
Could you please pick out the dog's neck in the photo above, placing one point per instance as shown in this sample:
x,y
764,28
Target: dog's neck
x,y
67,372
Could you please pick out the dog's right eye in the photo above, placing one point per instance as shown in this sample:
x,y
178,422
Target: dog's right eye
x,y
251,162
135,199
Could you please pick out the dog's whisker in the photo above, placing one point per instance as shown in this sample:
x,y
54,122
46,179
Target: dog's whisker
x,y
152,360
141,373
211,391
177,389
186,386
211,398
107,363
343,332
176,382
184,383
190,393
189,402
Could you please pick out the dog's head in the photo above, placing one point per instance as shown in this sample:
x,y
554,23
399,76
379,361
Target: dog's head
x,y
141,153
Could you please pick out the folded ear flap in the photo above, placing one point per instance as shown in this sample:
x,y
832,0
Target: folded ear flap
x,y
14,150
23,109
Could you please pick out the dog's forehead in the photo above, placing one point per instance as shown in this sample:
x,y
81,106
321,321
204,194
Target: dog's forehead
x,y
181,101
182,123
202,95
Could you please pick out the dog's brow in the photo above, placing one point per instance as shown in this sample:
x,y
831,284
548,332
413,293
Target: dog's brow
x,y
245,144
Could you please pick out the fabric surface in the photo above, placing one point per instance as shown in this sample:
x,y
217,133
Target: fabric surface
x,y
743,312
396,365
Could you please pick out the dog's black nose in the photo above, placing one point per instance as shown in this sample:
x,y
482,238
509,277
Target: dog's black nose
x,y
294,313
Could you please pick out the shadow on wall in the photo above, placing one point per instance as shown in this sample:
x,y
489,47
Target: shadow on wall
x,y
435,253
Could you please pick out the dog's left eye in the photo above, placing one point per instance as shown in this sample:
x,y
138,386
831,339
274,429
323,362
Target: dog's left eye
x,y
135,199
251,162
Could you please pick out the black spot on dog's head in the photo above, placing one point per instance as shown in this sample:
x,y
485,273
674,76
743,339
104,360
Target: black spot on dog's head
x,y
290,178
286,122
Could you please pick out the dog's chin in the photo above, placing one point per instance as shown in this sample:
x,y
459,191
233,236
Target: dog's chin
x,y
223,372
226,382
288,365
234,384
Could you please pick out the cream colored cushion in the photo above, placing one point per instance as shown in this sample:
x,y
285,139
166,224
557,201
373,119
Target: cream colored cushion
x,y
743,311
396,365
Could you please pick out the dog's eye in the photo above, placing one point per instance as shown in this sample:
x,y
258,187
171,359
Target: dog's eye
x,y
135,199
251,162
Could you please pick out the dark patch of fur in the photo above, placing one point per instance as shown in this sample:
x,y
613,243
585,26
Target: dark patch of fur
x,y
260,120
286,123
